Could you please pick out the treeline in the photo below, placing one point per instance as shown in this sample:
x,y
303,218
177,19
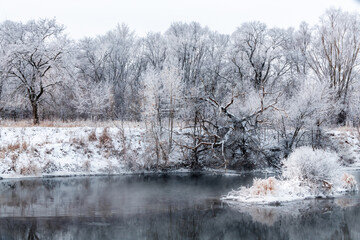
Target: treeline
x,y
247,98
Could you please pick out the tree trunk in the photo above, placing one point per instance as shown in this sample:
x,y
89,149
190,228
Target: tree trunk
x,y
35,115
171,123
195,164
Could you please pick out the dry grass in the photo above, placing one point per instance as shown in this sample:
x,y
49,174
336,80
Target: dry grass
x,y
14,159
92,136
345,129
87,123
86,165
13,147
79,142
16,147
70,124
105,139
24,146
2,153
263,187
31,169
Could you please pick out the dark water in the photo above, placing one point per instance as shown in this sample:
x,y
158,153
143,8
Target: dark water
x,y
163,207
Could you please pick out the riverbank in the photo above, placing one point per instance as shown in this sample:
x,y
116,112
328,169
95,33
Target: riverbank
x,y
75,150
64,151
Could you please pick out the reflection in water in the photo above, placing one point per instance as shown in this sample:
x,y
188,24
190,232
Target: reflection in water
x,y
163,207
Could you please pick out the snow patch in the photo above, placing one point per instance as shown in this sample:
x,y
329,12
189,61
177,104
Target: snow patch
x,y
54,151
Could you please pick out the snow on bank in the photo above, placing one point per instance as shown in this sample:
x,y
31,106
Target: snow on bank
x,y
306,173
42,151
347,145
68,151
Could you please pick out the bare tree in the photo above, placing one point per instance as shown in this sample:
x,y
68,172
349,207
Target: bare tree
x,y
334,54
32,58
155,50
260,57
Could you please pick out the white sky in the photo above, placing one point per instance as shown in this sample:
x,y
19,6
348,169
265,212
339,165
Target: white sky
x,y
92,17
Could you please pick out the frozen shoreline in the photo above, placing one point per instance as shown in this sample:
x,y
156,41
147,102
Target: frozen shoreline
x,y
181,171
43,151
97,151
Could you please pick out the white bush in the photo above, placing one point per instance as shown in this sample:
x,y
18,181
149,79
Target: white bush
x,y
313,166
307,173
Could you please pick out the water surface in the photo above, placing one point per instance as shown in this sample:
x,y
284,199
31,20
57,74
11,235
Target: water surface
x,y
183,206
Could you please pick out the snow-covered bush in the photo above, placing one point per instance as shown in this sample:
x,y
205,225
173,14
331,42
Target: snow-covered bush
x,y
348,182
319,169
270,190
307,173
312,166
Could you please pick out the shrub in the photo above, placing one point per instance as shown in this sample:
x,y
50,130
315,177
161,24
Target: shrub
x,y
49,167
105,139
31,169
14,158
13,147
79,142
92,136
86,166
348,182
306,164
24,146
306,173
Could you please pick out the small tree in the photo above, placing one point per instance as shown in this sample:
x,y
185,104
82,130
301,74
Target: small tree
x,y
152,114
161,93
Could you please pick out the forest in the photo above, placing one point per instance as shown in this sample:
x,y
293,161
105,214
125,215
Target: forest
x,y
238,101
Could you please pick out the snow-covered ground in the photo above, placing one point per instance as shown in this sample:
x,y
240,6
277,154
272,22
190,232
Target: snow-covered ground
x,y
40,151
347,145
60,151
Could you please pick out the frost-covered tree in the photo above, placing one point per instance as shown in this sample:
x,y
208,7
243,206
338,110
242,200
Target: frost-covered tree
x,y
258,54
115,58
334,54
93,99
299,120
162,95
32,59
91,59
152,115
120,44
302,43
155,50
187,44
242,100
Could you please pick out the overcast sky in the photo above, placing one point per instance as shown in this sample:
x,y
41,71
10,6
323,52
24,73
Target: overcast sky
x,y
90,17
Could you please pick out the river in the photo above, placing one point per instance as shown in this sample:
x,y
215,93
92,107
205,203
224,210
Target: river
x,y
173,206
